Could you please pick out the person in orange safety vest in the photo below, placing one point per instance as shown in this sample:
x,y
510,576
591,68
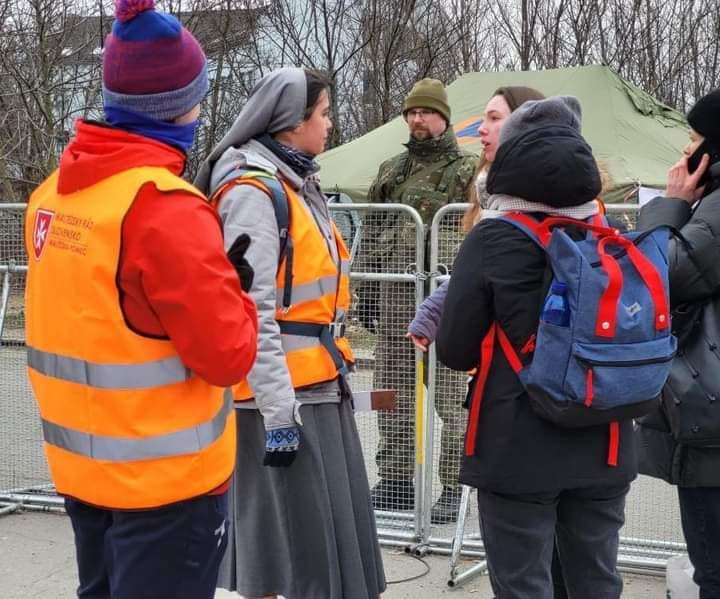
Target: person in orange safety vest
x,y
136,323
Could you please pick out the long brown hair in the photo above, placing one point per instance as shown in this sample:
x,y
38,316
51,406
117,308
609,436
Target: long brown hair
x,y
515,95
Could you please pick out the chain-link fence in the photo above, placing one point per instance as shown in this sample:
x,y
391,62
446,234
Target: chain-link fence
x,y
23,465
387,246
412,454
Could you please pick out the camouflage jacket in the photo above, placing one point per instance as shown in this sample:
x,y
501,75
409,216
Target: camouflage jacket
x,y
428,175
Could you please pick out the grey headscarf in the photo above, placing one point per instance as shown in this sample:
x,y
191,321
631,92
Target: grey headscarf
x,y
276,102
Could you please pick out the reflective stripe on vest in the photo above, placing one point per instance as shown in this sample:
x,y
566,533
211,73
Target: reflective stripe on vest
x,y
306,292
108,376
115,449
298,342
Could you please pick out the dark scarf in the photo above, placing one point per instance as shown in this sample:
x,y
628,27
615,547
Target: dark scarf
x,y
178,136
302,163
433,148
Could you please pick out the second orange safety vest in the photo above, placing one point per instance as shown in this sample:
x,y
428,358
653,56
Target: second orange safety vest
x,y
312,315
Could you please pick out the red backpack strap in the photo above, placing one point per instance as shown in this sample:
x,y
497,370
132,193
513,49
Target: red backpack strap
x,y
509,351
528,225
541,231
546,226
607,307
614,444
599,220
487,350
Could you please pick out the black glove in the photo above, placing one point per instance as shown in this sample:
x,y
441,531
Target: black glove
x,y
281,446
236,255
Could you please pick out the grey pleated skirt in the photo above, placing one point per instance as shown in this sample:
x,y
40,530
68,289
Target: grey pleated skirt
x,y
307,531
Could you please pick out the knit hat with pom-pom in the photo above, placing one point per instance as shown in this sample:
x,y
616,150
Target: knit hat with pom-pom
x,y
152,65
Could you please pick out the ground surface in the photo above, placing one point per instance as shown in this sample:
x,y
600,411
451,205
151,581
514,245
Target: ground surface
x,y
37,562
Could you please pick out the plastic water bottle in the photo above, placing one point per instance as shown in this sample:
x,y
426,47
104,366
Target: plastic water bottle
x,y
557,309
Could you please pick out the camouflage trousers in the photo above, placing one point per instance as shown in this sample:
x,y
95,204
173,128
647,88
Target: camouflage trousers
x,y
395,369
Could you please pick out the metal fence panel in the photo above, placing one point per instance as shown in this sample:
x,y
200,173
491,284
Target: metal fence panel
x,y
23,464
390,277
448,388
387,244
384,266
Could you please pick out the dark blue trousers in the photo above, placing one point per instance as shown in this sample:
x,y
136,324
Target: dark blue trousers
x,y
700,513
172,552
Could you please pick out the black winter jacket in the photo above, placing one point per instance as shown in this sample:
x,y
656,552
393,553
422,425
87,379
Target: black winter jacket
x,y
500,275
694,280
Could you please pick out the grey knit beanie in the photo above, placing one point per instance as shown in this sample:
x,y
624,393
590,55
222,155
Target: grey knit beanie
x,y
556,110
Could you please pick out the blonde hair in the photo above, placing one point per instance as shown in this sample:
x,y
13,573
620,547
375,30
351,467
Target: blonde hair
x,y
472,214
605,179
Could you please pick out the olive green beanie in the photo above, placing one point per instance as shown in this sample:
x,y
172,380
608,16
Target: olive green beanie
x,y
428,93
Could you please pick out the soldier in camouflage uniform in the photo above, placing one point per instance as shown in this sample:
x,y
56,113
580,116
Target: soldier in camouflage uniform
x,y
431,173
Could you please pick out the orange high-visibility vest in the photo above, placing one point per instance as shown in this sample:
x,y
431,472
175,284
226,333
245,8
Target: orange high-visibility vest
x,y
312,315
125,424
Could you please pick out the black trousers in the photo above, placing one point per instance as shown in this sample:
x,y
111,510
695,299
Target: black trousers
x,y
559,590
700,514
520,531
172,552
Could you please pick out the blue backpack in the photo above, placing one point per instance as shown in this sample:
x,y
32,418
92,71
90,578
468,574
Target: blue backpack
x,y
609,357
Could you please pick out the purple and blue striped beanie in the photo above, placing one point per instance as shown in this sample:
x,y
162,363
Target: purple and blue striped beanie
x,y
152,65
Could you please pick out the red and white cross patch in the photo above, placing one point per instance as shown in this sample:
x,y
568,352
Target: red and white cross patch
x,y
41,229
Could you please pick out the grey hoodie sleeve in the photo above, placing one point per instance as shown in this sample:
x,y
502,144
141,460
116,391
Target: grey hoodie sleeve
x,y
246,209
428,315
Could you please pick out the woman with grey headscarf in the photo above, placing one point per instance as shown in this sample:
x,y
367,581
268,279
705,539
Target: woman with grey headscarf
x,y
303,521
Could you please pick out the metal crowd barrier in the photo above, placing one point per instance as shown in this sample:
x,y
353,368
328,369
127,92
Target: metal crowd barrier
x,y
23,472
406,275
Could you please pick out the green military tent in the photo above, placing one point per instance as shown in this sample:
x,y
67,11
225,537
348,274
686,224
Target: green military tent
x,y
636,137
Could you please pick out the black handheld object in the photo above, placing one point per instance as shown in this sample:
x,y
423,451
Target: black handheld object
x,y
694,161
